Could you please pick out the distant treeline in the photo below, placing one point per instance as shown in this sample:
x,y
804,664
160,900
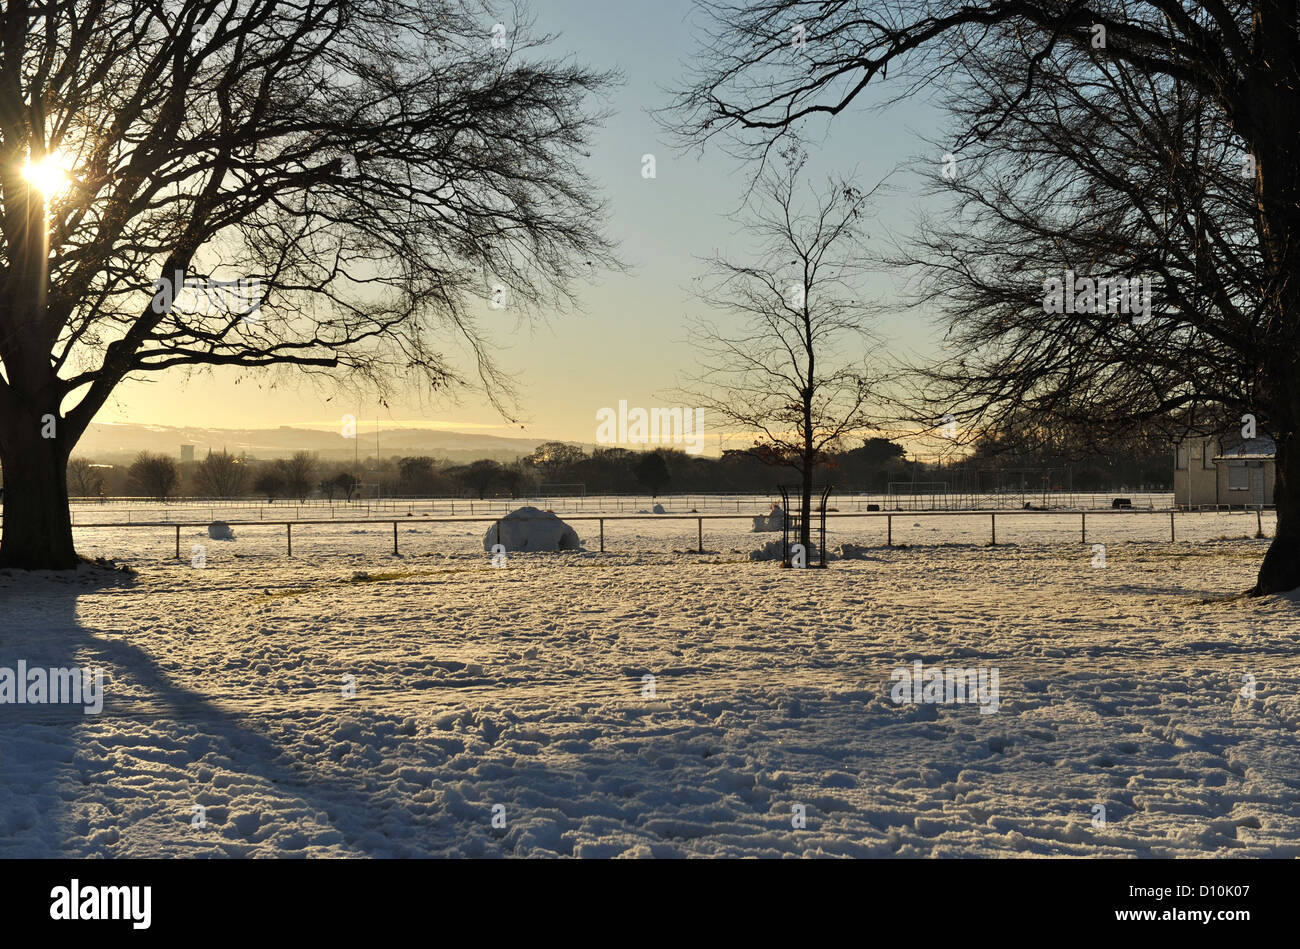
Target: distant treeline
x,y
868,468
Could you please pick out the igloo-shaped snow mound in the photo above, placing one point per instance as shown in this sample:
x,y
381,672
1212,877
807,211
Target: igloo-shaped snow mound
x,y
529,528
220,530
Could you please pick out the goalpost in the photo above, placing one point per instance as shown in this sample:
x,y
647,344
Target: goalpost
x,y
917,495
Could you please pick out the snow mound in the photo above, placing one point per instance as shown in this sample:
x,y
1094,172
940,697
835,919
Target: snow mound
x,y
659,509
220,530
773,521
772,551
529,528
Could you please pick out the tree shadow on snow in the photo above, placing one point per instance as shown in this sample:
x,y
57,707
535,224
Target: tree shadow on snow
x,y
52,793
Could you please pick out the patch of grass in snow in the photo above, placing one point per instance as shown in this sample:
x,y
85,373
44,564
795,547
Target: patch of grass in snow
x,y
280,594
365,577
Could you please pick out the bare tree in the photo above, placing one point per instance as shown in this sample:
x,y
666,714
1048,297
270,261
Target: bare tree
x,y
1217,73
479,476
221,475
516,477
791,368
270,483
651,471
368,170
419,475
298,473
85,480
554,458
347,483
153,476
1119,177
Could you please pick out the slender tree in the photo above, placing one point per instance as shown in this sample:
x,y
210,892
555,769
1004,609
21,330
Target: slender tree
x,y
789,365
1218,71
367,172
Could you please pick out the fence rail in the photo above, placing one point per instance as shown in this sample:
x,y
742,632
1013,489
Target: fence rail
x,y
628,503
698,518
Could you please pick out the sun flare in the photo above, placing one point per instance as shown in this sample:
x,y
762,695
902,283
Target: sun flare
x,y
49,174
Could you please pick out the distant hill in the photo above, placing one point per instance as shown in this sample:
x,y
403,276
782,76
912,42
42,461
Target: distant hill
x,y
113,443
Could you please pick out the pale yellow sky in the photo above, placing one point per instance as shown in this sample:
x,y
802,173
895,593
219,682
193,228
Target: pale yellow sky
x,y
628,343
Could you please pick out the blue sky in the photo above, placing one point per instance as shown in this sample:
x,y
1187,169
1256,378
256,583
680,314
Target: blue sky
x,y
629,343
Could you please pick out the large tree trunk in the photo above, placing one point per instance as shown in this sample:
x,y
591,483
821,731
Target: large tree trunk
x,y
37,526
1274,130
1280,571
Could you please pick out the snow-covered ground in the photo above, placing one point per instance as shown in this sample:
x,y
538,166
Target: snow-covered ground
x,y
519,692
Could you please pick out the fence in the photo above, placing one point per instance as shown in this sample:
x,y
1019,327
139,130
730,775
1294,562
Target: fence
x,y
86,512
993,520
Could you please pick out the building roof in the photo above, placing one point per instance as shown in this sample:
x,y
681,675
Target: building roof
x,y
1253,449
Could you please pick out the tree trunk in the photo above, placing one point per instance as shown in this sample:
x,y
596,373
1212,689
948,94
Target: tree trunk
x,y
37,525
805,528
1280,571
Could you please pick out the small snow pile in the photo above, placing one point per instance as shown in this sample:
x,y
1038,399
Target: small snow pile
x,y
851,552
772,551
220,530
531,529
773,521
659,509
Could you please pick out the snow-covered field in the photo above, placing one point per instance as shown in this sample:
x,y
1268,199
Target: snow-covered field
x,y
520,693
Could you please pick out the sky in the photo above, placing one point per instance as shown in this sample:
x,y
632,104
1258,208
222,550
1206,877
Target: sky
x,y
628,343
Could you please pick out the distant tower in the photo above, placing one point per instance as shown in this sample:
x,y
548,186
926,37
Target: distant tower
x,y
187,454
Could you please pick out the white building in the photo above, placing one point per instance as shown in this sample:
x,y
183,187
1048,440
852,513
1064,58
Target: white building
x,y
1207,475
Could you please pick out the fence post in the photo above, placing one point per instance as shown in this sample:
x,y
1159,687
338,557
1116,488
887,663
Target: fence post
x,y
178,542
699,523
1259,522
1171,527
289,534
1083,527
993,524
889,526
394,538
602,535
